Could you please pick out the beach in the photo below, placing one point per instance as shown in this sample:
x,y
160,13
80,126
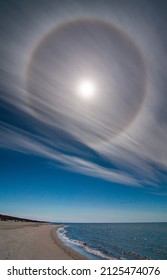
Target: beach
x,y
33,241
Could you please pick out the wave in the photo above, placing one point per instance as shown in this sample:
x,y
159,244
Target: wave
x,y
62,233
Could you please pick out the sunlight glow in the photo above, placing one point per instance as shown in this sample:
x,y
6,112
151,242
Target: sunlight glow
x,y
86,89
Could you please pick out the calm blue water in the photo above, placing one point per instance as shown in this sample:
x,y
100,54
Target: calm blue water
x,y
117,241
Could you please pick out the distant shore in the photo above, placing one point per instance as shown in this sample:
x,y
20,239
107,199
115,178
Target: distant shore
x,y
29,240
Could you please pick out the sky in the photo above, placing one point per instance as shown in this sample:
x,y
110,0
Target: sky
x,y
83,119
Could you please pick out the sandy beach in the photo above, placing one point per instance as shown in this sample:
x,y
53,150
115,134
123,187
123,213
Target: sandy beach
x,y
33,241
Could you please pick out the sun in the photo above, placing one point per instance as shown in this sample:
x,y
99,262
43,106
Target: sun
x,y
86,89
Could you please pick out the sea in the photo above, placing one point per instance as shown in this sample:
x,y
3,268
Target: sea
x,y
125,241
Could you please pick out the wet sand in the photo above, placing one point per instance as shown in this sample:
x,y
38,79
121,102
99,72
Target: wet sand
x,y
33,241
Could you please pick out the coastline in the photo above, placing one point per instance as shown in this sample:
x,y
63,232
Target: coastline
x,y
74,255
33,241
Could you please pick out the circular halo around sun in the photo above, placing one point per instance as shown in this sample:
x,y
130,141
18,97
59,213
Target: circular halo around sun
x,y
86,78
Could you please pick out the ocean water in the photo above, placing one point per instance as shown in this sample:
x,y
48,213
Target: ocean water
x,y
130,241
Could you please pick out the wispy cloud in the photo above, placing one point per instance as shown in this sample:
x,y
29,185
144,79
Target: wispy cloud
x,y
21,141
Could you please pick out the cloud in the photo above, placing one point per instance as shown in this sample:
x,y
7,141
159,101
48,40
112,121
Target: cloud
x,y
19,140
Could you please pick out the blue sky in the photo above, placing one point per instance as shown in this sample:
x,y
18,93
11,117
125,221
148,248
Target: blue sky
x,y
33,187
70,159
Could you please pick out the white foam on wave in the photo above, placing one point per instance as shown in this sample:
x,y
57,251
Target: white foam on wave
x,y
62,233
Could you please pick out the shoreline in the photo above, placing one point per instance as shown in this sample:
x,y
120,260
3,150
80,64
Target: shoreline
x,y
33,241
67,249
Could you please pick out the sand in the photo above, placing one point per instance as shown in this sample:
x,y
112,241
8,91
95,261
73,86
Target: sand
x,y
33,241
